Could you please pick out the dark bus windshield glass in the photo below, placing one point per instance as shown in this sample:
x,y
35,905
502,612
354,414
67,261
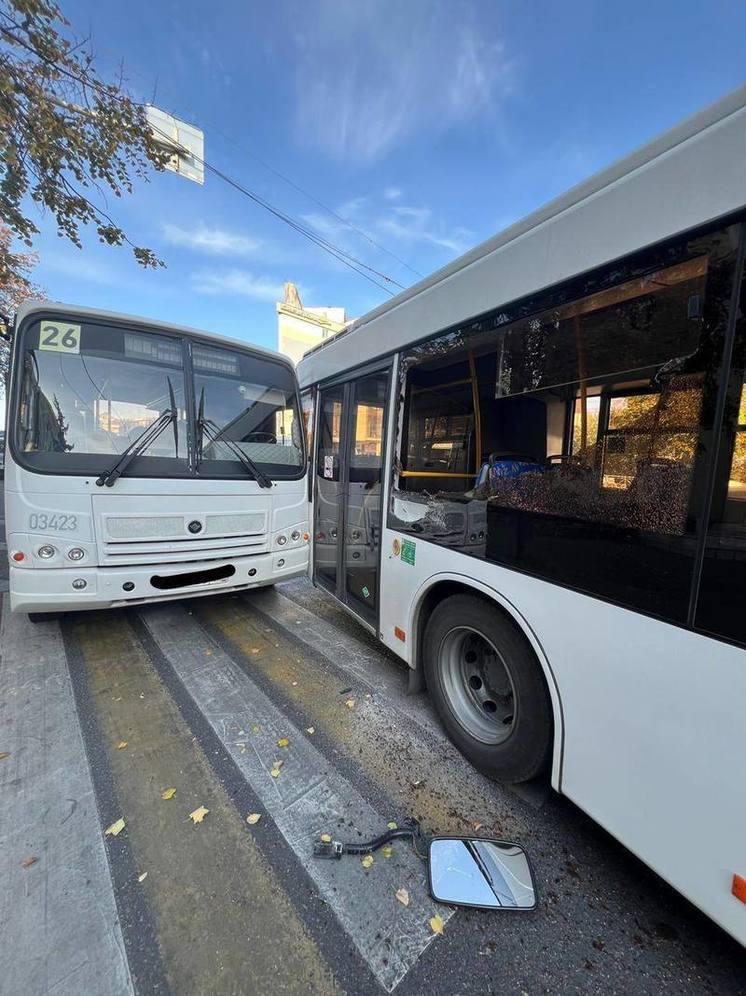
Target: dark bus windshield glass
x,y
87,391
247,401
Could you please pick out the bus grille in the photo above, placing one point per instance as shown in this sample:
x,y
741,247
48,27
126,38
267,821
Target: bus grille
x,y
159,539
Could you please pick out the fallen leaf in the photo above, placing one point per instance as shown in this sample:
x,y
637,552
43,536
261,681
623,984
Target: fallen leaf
x,y
168,794
367,861
141,878
403,896
253,818
208,653
478,826
199,814
283,742
311,729
326,838
27,862
275,772
294,684
256,729
387,850
255,650
391,825
4,754
350,703
277,764
436,924
115,828
121,745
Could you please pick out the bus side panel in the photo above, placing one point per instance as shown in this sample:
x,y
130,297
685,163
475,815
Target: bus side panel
x,y
653,746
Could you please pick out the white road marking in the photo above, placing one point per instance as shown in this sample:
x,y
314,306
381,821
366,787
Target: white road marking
x,y
307,799
374,671
58,917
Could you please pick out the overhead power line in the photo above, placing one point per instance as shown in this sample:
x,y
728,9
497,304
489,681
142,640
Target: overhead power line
x,y
357,265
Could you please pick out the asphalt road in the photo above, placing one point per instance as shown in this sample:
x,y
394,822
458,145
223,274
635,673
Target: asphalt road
x,y
102,713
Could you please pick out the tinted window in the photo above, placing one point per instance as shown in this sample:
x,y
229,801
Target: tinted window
x,y
720,607
573,441
248,404
92,389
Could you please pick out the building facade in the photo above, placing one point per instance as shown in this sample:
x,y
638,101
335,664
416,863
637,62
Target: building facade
x,y
299,328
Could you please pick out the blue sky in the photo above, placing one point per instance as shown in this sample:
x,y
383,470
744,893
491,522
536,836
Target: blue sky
x,y
429,124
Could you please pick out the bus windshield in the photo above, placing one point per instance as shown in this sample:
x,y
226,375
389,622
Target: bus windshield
x,y
86,391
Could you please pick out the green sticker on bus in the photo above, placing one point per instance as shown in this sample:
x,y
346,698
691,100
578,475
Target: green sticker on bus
x,y
408,550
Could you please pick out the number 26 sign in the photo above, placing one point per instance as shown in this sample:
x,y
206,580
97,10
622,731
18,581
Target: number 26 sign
x,y
60,337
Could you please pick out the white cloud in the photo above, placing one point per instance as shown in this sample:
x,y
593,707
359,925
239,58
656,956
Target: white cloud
x,y
385,222
213,241
370,73
392,193
238,282
418,224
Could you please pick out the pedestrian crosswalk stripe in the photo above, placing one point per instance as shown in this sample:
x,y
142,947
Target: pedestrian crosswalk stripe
x,y
307,798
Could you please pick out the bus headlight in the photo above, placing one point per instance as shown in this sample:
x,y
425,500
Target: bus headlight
x,y
282,540
295,535
46,552
76,553
79,584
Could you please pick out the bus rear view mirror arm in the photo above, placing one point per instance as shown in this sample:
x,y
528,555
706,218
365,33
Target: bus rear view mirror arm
x,y
478,872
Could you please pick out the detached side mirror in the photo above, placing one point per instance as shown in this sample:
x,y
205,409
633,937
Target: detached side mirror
x,y
487,874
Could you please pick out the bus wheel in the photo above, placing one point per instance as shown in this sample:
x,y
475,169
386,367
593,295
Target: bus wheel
x,y
40,617
488,688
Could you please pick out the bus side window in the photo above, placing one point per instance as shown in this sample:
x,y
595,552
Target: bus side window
x,y
584,430
723,580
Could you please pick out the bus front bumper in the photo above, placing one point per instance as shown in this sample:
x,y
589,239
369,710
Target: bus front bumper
x,y
51,590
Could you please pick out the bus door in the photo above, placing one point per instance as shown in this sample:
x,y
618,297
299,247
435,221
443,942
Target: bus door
x,y
347,506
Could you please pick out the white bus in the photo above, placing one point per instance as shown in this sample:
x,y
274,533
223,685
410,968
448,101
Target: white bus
x,y
530,483
147,462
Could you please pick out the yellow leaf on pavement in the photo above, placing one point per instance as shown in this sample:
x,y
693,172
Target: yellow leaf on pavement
x,y
121,745
367,861
326,838
391,825
115,828
168,794
199,814
253,818
283,742
436,924
350,703
310,729
387,850
256,729
403,896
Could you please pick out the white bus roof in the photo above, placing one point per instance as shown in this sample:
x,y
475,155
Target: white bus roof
x,y
29,307
687,177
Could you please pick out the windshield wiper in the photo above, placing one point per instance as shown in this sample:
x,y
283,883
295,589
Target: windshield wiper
x,y
206,427
148,436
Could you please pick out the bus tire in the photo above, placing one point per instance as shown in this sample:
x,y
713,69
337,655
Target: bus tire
x,y
488,688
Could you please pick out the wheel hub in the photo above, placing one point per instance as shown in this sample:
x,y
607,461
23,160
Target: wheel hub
x,y
477,684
